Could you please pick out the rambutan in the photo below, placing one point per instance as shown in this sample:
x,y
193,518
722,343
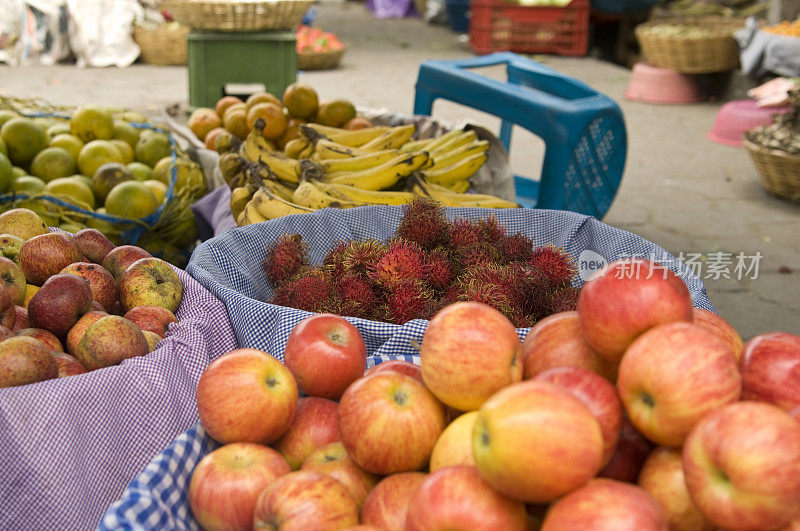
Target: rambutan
x,y
402,260
361,256
410,299
285,258
356,295
333,260
515,247
310,290
563,300
489,294
492,280
555,264
533,288
464,233
476,255
439,271
491,229
424,223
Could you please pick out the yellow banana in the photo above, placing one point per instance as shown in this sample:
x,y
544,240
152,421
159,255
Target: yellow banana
x,y
271,206
444,159
383,176
254,146
251,213
459,187
436,142
282,166
241,219
390,139
281,190
328,149
230,164
465,137
240,196
347,137
361,162
299,148
461,170
309,195
351,193
450,198
416,145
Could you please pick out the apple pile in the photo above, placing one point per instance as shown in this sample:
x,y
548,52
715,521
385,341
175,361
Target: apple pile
x,y
635,412
70,304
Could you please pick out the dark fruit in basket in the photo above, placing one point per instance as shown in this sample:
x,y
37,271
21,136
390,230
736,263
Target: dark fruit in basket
x,y
286,258
24,360
93,244
60,302
515,247
358,298
491,229
409,299
402,260
555,264
360,257
438,270
424,223
564,300
310,290
464,233
46,255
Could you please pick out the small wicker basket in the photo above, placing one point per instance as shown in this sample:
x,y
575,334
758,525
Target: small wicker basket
x,y
238,15
319,60
163,45
716,52
780,171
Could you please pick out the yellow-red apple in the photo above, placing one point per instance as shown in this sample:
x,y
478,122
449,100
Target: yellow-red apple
x,y
332,460
721,327
770,366
454,446
314,426
386,506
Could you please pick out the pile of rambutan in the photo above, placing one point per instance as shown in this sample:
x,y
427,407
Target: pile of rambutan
x,y
429,263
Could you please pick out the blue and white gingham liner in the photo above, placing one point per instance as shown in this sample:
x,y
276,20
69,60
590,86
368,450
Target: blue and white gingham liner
x,y
70,446
230,267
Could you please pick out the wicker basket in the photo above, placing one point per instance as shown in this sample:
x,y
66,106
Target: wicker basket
x,y
779,170
236,15
692,55
162,46
320,60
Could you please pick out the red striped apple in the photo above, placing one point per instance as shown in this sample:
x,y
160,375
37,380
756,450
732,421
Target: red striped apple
x,y
314,426
68,365
454,446
24,360
674,374
386,506
534,441
403,367
606,505
630,454
458,497
721,327
44,336
469,351
626,298
389,423
770,366
226,483
332,460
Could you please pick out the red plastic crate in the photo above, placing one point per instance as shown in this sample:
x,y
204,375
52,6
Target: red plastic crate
x,y
497,25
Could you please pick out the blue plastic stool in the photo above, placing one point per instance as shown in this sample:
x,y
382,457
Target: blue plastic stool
x,y
583,130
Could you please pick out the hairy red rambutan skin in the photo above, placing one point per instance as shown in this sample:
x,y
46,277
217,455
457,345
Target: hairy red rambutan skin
x,y
333,260
522,321
533,289
555,264
424,223
515,247
360,256
491,229
285,258
402,260
464,233
475,255
356,296
490,280
439,271
490,294
310,290
563,300
410,299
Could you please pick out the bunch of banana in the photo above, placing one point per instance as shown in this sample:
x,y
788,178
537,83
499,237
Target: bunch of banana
x,y
262,198
448,197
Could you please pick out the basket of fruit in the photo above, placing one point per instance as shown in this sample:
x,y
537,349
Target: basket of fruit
x,y
101,347
239,15
317,49
162,45
691,45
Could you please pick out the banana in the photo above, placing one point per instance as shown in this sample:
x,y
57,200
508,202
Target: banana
x,y
230,164
270,206
299,148
459,187
311,196
282,166
465,137
240,196
383,176
328,149
361,162
444,159
449,198
241,219
256,148
461,170
436,142
351,193
416,145
390,139
354,138
281,190
252,215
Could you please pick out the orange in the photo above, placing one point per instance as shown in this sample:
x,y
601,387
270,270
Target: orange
x,y
261,97
301,100
234,107
236,122
223,103
274,120
202,121
335,113
358,123
212,136
292,132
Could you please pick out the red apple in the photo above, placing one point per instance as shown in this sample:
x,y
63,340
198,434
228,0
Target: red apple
x,y
597,394
454,446
386,506
156,319
606,505
8,312
389,423
117,260
662,477
305,500
24,360
557,341
469,351
78,330
314,426
332,460
325,354
626,298
674,374
403,367
59,303
12,277
5,333
630,454
20,319
534,441
457,497
110,341
101,282
721,327
226,483
93,244
742,466
68,365
44,336
150,281
246,396
770,366
46,254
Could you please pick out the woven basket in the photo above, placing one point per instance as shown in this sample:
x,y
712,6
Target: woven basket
x,y
162,46
692,55
319,61
779,170
236,15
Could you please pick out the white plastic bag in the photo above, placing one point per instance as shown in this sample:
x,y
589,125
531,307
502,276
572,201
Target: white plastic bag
x,y
10,24
101,31
43,32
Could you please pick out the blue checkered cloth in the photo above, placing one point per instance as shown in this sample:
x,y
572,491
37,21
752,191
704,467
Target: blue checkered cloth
x,y
229,266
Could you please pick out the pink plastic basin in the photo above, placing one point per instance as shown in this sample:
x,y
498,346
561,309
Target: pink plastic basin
x,y
651,84
736,117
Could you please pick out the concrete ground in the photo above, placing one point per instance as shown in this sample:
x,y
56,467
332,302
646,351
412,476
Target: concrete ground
x,y
679,190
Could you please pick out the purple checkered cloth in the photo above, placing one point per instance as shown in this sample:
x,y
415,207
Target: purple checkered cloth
x,y
70,446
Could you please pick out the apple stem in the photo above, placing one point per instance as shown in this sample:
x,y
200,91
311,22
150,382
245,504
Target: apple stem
x,y
400,397
648,400
271,382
